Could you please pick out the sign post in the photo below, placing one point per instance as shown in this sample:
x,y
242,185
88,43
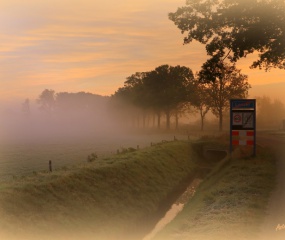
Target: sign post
x,y
243,123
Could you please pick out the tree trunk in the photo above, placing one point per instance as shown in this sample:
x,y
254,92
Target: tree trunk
x,y
202,121
220,120
176,120
138,121
144,116
167,113
158,120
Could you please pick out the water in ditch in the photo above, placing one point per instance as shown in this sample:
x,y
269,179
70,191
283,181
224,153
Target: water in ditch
x,y
175,208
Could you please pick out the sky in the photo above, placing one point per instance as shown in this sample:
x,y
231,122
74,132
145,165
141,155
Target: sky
x,y
93,46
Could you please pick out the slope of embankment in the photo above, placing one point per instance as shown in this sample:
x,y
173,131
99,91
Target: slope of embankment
x,y
229,204
113,198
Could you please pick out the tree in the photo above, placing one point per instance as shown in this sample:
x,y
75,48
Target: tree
x,y
201,100
162,90
47,100
134,94
236,28
168,87
229,83
26,108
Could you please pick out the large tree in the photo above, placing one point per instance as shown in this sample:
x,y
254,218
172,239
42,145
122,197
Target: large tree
x,y
235,28
169,88
134,95
228,82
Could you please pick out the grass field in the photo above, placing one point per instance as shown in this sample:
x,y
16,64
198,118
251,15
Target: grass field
x,y
112,198
22,158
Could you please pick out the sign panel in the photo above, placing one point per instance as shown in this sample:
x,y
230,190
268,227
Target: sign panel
x,y
242,123
237,118
248,120
243,103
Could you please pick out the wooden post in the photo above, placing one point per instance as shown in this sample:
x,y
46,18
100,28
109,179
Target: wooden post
x,y
50,165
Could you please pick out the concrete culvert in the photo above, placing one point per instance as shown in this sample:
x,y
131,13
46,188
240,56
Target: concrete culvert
x,y
215,154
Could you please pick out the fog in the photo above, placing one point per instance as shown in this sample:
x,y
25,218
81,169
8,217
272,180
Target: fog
x,y
66,131
77,122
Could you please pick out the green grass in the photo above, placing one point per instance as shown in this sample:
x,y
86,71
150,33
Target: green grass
x,y
230,204
109,198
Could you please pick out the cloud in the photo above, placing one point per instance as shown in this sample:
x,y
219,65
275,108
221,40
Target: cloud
x,y
88,45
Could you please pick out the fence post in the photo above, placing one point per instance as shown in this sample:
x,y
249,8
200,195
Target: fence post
x,y
50,165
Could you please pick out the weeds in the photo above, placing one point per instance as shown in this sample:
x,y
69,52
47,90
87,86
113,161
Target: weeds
x,y
92,157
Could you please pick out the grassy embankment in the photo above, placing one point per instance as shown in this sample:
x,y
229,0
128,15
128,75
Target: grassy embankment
x,y
230,204
113,198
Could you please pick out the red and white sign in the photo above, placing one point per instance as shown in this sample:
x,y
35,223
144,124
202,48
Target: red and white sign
x,y
237,118
242,138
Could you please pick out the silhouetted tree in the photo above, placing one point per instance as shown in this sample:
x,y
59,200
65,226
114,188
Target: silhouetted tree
x,y
228,83
201,100
134,94
161,90
47,100
168,87
26,107
236,28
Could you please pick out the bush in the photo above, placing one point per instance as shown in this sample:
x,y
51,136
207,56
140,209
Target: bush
x,y
92,157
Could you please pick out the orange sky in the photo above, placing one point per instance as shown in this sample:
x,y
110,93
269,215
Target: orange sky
x,y
93,45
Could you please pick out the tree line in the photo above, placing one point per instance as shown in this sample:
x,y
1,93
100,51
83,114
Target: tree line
x,y
174,90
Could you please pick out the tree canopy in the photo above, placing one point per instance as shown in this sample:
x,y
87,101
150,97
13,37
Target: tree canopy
x,y
229,83
160,90
236,28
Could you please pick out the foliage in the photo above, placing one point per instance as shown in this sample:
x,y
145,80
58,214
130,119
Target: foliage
x,y
47,101
236,28
229,83
127,150
201,100
92,157
80,101
163,89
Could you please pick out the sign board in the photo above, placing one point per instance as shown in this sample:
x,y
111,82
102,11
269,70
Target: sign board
x,y
243,123
248,120
237,118
243,104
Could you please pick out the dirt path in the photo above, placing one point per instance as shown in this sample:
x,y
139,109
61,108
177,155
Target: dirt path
x,y
274,225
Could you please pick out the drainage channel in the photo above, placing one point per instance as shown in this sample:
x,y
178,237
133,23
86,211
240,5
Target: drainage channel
x,y
175,208
210,154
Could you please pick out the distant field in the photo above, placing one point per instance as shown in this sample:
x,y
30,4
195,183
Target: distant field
x,y
19,159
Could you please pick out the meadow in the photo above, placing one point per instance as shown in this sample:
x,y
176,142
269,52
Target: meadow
x,y
23,158
117,197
